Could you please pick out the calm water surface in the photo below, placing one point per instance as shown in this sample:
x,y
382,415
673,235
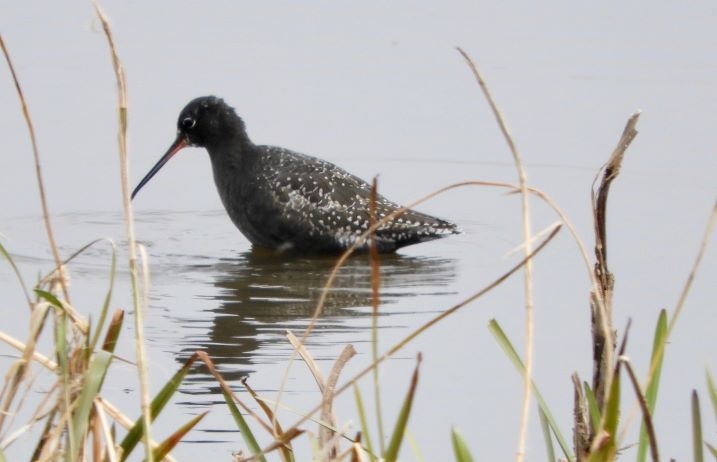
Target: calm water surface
x,y
393,99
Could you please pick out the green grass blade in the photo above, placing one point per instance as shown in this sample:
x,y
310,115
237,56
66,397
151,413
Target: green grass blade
x,y
51,299
106,304
365,436
507,346
608,450
712,450
712,391
135,433
460,448
63,371
547,435
244,429
653,384
399,429
95,376
168,444
697,450
592,406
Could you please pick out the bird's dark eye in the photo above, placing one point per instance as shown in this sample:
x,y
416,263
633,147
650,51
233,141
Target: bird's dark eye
x,y
188,123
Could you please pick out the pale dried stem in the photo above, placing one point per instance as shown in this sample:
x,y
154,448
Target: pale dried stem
x,y
308,359
21,371
327,436
38,170
528,274
129,222
328,421
112,449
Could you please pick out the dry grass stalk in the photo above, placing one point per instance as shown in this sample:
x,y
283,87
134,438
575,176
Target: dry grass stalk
x,y
19,372
528,274
38,168
328,396
145,400
646,415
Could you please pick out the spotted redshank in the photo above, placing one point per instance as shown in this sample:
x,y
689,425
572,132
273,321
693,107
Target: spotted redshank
x,y
284,200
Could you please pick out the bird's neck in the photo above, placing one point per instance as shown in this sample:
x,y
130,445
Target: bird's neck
x,y
234,152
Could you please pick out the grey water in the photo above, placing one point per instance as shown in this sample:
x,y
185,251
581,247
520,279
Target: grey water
x,y
379,90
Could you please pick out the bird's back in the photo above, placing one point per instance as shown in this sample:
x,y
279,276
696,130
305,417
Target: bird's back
x,y
289,200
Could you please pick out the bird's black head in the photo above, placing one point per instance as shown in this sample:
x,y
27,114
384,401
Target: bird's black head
x,y
207,121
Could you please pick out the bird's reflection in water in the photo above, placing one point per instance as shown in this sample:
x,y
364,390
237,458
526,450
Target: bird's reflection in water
x,y
261,295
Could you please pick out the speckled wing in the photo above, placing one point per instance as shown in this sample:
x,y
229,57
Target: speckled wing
x,y
330,205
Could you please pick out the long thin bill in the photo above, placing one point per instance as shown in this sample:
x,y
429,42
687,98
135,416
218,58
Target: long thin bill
x,y
178,144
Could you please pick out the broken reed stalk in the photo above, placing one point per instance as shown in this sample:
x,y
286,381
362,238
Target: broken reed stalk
x,y
527,249
603,331
38,174
142,369
20,372
326,387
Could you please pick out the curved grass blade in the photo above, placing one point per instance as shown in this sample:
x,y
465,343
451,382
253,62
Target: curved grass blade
x,y
507,346
400,428
135,433
244,429
607,433
95,376
460,448
50,298
106,304
595,415
287,452
168,444
712,391
712,449
697,450
607,451
658,355
545,427
62,353
646,414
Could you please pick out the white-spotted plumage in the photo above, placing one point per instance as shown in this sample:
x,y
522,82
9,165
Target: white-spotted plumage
x,y
282,199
